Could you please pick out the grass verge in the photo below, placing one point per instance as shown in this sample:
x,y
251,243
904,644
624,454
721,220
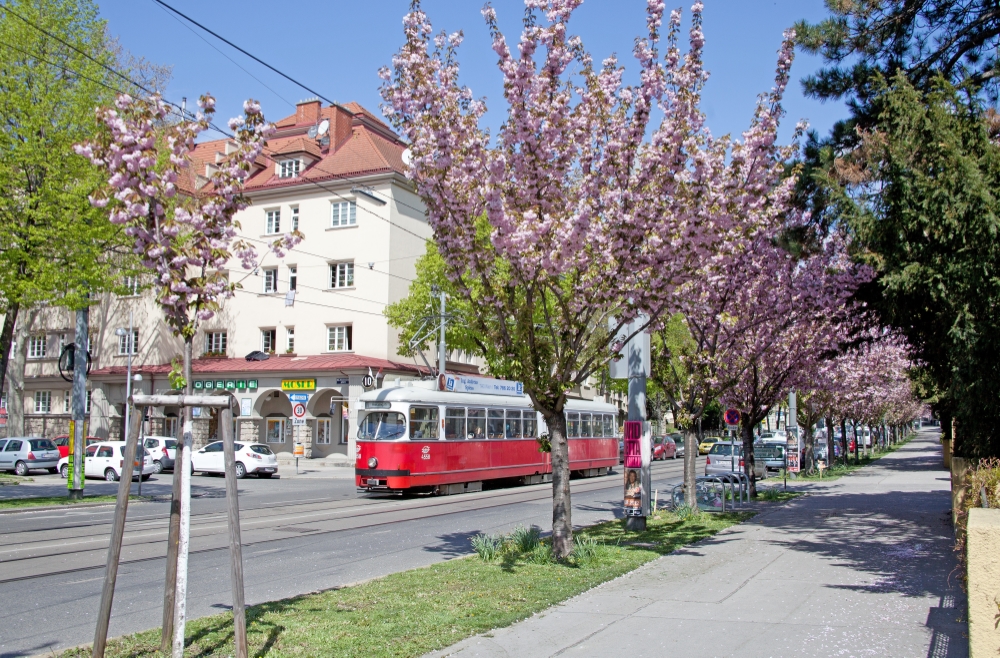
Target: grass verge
x,y
12,503
416,611
8,479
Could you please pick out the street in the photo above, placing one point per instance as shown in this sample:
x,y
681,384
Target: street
x,y
299,535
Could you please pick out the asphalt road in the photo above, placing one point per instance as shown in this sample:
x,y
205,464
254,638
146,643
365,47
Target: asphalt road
x,y
299,535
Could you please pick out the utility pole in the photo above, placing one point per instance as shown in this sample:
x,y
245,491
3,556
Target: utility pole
x,y
78,430
441,343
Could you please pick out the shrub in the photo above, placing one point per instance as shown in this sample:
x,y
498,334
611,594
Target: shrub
x,y
585,548
685,512
770,494
488,547
525,540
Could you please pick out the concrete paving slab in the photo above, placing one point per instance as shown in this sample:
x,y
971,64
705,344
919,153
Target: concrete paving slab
x,y
861,566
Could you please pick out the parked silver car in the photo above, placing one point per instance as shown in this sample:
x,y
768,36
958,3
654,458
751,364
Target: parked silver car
x,y
728,458
22,454
679,440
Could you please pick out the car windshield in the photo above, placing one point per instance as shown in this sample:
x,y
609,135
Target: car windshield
x,y
725,449
382,425
170,444
41,444
261,450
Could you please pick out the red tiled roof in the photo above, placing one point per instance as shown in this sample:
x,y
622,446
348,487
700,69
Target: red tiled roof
x,y
276,364
359,144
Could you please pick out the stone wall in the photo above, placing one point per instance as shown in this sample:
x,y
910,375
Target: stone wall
x,y
983,565
46,425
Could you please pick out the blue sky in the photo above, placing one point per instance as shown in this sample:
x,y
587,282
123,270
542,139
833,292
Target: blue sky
x,y
336,47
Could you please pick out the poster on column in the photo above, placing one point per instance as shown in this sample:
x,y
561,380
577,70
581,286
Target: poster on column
x,y
638,451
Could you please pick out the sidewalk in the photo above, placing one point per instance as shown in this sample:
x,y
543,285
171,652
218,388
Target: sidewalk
x,y
861,566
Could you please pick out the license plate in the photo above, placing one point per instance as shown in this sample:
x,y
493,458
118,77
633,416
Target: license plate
x,y
372,482
266,470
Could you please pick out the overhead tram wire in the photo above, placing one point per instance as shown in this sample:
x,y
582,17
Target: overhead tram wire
x,y
182,110
276,70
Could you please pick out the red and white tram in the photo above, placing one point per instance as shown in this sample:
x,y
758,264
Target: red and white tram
x,y
414,438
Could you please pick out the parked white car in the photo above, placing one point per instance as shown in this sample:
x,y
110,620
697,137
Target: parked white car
x,y
162,450
251,459
106,460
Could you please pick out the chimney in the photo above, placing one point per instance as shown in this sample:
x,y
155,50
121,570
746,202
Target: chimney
x,y
307,111
340,126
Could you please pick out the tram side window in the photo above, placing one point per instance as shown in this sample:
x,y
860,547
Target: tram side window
x,y
423,423
382,426
454,423
494,425
609,425
530,425
585,425
573,426
513,424
477,424
597,426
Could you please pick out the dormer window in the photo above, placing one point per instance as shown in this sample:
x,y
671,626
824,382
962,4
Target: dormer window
x,y
289,168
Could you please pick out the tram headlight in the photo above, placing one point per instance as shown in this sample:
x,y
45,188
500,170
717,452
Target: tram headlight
x,y
372,462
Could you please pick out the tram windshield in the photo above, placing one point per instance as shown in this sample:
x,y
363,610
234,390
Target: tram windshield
x,y
382,426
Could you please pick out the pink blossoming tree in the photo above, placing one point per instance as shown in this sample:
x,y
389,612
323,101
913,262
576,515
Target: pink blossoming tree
x,y
185,235
571,222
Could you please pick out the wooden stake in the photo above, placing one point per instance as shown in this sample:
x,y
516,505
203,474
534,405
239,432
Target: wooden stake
x,y
235,545
170,583
117,531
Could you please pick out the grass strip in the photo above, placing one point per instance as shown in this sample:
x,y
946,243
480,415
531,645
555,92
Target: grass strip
x,y
416,611
8,479
38,501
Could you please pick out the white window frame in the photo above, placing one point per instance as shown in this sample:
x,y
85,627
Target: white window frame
x,y
38,346
132,286
340,338
282,422
216,341
272,221
290,168
343,213
290,339
295,218
293,277
342,275
67,398
123,343
88,402
43,402
266,333
323,437
270,280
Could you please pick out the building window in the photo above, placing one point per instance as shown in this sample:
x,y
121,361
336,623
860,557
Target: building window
x,y
43,402
37,346
216,341
290,339
92,344
132,286
271,280
275,430
66,400
342,275
293,278
3,400
344,213
339,338
323,430
273,222
127,344
295,218
267,340
288,168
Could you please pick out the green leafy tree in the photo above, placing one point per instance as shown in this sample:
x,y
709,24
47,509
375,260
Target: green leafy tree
x,y
56,65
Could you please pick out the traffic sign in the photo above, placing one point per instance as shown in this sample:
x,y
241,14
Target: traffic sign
x,y
367,381
732,416
298,410
298,397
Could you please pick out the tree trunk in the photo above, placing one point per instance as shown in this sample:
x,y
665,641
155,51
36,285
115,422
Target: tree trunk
x,y
562,516
6,339
184,533
830,452
843,439
690,468
857,442
810,464
747,424
15,397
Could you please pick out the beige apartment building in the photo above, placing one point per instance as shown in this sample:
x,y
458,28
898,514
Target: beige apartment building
x,y
334,173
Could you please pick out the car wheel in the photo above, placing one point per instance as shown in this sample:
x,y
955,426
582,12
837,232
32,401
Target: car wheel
x,y
110,475
21,468
53,471
241,471
146,477
266,476
157,467
675,456
64,471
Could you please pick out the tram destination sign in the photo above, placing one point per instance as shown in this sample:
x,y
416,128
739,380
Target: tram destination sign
x,y
482,385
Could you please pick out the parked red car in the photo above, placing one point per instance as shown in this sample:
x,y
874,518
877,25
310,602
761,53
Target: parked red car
x,y
664,448
62,442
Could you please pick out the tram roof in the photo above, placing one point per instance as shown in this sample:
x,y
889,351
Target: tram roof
x,y
429,396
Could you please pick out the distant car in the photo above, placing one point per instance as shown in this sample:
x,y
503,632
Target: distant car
x,y
727,458
162,450
770,453
707,443
62,442
664,448
23,454
106,459
679,442
251,459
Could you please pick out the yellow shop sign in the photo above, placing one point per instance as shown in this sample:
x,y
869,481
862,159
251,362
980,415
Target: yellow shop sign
x,y
298,384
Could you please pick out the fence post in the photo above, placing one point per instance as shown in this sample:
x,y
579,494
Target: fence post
x,y
117,530
235,545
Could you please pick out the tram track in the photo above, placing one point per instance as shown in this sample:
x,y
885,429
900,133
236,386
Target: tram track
x,y
145,538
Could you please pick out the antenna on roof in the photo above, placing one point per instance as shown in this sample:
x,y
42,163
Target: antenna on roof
x,y
313,130
324,126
